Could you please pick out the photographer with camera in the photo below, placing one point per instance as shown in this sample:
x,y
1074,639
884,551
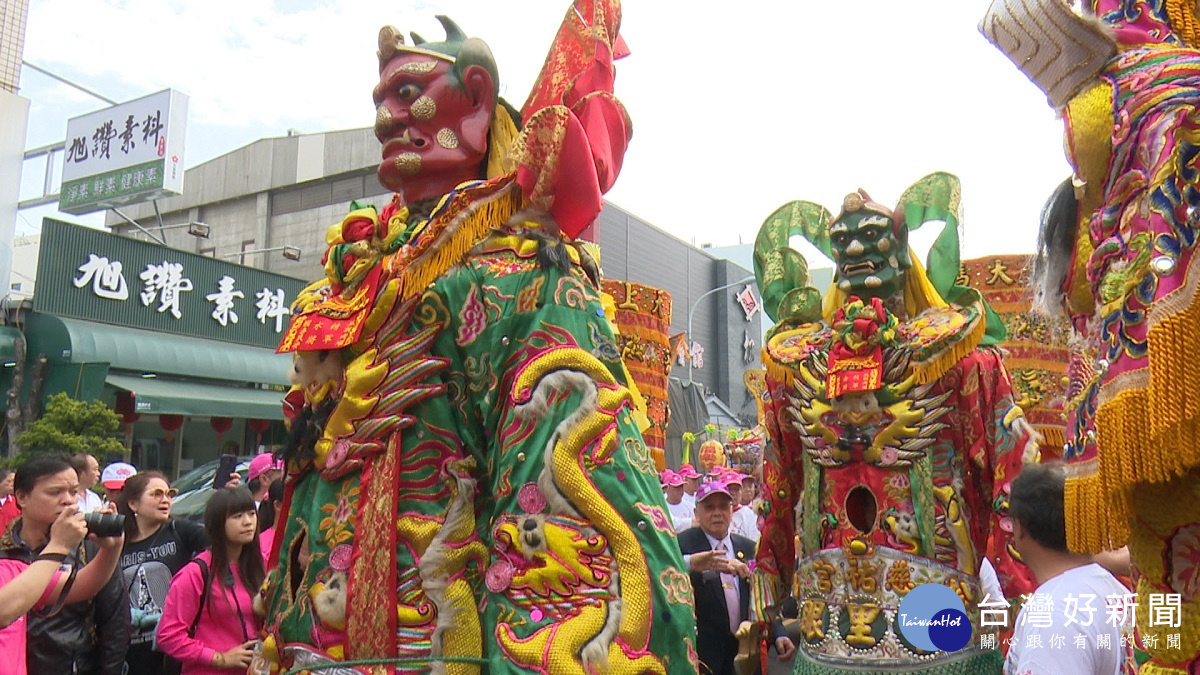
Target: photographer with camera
x,y
76,633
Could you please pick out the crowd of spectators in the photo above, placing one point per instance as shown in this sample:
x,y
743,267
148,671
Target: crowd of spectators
x,y
150,595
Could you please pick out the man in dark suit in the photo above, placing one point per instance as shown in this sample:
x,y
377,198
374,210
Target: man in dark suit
x,y
718,565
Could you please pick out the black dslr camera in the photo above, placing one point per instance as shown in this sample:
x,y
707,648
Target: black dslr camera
x,y
105,524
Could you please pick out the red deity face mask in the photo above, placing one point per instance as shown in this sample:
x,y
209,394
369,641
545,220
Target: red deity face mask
x,y
432,126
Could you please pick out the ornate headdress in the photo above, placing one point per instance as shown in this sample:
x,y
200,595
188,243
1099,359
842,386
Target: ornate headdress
x,y
457,48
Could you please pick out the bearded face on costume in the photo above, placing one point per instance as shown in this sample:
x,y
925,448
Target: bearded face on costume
x,y
870,249
432,113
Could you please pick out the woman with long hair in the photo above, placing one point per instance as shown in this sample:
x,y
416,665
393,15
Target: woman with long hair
x,y
156,547
208,623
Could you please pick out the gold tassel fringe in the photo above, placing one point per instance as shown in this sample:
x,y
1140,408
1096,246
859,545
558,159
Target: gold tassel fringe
x,y
1152,434
1174,403
777,371
1097,520
1052,437
1182,14
458,237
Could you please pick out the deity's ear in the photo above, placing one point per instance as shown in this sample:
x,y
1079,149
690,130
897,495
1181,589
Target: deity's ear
x,y
480,88
903,256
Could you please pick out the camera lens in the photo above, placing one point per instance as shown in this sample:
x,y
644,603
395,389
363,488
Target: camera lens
x,y
104,524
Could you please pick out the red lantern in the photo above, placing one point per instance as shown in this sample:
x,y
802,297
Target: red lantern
x,y
258,427
220,425
170,423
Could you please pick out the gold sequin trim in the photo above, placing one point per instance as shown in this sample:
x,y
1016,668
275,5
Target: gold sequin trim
x,y
417,67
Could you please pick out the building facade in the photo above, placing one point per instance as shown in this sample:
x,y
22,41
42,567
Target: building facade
x,y
180,345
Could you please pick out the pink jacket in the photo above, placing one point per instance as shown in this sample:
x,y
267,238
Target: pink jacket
x,y
226,622
266,539
12,636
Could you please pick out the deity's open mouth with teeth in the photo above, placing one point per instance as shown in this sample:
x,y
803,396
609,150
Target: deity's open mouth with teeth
x,y
857,268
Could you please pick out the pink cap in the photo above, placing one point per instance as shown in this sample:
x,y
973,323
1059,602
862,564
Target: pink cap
x,y
711,488
687,471
261,464
672,479
732,478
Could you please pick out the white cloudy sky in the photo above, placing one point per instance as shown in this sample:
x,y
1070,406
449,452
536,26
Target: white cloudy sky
x,y
737,106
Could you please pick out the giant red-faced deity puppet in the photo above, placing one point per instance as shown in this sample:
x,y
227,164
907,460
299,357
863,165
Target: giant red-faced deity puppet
x,y
467,489
1118,258
893,433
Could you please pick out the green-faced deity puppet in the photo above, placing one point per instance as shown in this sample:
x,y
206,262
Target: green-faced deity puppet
x,y
893,435
467,488
870,248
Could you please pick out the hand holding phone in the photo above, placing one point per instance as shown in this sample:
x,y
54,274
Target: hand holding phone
x,y
227,466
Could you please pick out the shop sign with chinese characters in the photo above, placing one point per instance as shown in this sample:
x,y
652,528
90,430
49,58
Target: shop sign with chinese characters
x,y
129,153
89,274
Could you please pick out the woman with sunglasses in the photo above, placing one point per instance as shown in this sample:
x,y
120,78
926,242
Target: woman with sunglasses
x,y
156,547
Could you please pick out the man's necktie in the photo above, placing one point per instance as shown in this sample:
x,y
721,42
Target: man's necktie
x,y
729,583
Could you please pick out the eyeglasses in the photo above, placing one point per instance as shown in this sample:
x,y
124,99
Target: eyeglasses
x,y
159,494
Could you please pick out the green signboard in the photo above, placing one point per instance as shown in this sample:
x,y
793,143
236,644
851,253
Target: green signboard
x,y
90,274
119,184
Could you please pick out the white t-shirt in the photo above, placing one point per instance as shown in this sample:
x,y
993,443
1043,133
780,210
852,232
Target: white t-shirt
x,y
690,500
1051,637
989,582
89,501
681,515
745,523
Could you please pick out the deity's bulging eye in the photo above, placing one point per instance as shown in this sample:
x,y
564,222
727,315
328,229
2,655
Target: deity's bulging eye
x,y
408,92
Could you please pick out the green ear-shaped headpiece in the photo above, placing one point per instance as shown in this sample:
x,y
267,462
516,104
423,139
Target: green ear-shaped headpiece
x,y
938,197
781,272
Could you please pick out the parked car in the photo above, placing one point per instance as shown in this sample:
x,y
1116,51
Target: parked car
x,y
195,488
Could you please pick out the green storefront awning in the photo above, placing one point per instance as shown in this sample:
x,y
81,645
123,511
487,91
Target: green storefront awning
x,y
155,396
142,351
